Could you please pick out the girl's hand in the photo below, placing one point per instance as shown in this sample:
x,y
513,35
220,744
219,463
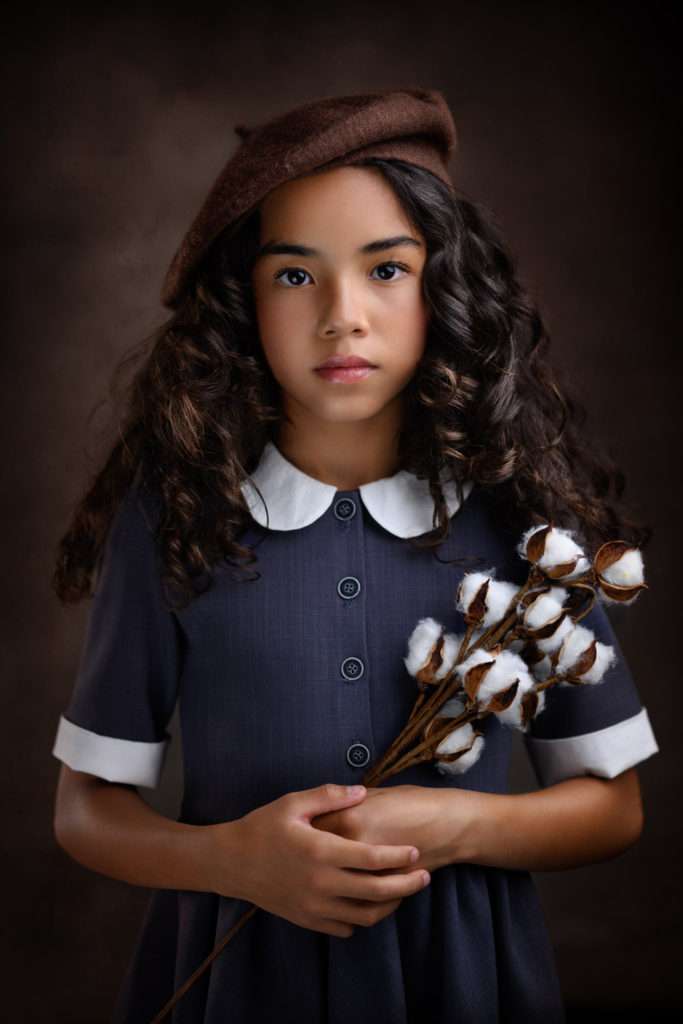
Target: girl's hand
x,y
310,877
423,816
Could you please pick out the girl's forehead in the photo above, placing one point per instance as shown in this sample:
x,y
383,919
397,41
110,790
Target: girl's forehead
x,y
345,188
344,200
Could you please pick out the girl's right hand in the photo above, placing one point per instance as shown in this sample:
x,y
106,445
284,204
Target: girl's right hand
x,y
315,879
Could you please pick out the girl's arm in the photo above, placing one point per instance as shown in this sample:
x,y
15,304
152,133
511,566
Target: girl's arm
x,y
574,822
109,828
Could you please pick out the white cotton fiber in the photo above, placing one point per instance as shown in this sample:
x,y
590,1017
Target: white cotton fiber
x,y
464,762
512,715
475,658
507,667
573,646
560,547
498,598
627,571
545,608
469,585
550,644
457,739
498,595
420,644
450,650
605,657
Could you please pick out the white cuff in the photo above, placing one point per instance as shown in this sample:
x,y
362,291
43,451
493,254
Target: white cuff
x,y
131,761
607,752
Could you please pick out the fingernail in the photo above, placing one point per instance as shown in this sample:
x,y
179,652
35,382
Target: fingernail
x,y
355,790
414,855
426,877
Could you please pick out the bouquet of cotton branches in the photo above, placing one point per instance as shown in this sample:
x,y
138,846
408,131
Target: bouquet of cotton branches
x,y
518,642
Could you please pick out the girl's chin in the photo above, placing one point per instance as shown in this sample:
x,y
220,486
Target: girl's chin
x,y
343,410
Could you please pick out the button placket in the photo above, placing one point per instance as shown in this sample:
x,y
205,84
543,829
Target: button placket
x,y
351,666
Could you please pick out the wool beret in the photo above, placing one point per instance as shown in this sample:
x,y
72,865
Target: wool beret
x,y
414,125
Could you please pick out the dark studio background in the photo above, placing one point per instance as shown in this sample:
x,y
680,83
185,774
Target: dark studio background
x,y
118,122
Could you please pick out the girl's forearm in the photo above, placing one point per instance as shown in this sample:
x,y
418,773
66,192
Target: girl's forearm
x,y
109,828
578,821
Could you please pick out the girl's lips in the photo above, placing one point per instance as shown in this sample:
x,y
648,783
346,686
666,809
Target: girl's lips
x,y
344,374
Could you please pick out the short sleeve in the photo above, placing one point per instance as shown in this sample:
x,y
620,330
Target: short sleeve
x,y
591,729
126,686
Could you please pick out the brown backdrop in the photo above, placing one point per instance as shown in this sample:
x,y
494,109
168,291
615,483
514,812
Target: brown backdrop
x,y
118,123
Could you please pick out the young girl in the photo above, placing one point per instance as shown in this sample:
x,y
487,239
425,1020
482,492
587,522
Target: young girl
x,y
349,408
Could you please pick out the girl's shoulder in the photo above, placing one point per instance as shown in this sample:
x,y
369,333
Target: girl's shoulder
x,y
133,526
494,511
489,528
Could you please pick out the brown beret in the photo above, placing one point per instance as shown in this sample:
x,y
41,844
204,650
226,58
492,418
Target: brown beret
x,y
414,125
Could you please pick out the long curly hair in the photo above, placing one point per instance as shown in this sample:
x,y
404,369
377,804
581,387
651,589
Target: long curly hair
x,y
484,403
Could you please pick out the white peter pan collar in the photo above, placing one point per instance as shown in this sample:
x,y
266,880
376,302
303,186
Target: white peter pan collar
x,y
400,503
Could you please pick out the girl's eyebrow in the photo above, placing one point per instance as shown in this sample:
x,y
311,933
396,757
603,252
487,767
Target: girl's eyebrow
x,y
292,249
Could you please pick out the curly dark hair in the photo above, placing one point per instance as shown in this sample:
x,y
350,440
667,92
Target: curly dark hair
x,y
484,403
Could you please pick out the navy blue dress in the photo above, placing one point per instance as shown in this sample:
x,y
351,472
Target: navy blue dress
x,y
294,680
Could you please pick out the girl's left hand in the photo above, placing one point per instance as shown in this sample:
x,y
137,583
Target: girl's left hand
x,y
400,815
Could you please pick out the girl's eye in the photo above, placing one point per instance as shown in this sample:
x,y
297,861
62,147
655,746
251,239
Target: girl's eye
x,y
282,274
384,266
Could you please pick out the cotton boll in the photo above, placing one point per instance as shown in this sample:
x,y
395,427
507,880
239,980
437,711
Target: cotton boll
x,y
560,548
499,595
507,667
469,587
498,598
539,708
420,644
573,646
516,645
526,537
450,650
512,715
464,762
605,657
459,739
475,658
545,607
627,571
550,644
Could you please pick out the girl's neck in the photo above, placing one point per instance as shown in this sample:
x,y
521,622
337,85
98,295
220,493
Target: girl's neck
x,y
346,455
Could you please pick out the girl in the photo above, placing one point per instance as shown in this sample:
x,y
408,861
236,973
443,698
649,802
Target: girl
x,y
349,408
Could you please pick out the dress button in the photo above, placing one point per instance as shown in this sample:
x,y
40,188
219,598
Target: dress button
x,y
358,755
345,508
348,587
352,668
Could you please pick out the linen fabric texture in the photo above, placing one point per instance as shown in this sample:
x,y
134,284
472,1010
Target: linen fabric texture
x,y
267,706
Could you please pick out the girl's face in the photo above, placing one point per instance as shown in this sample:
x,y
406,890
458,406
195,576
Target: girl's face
x,y
339,274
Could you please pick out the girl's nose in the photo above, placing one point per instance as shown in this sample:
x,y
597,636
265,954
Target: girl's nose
x,y
343,312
